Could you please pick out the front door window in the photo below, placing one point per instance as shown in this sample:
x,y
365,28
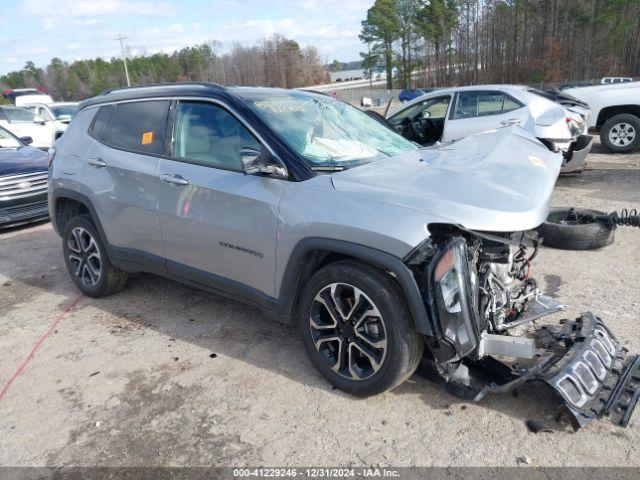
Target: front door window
x,y
209,135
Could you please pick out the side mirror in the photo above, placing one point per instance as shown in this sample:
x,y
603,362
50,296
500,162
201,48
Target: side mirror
x,y
27,140
261,162
39,119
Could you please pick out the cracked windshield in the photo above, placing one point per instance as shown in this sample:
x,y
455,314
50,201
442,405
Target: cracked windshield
x,y
329,134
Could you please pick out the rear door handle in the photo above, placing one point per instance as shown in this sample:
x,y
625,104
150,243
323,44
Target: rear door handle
x,y
96,162
173,179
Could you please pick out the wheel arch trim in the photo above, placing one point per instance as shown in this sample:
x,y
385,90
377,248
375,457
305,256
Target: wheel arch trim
x,y
65,193
290,285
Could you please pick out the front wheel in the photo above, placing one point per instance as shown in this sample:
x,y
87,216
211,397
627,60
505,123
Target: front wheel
x,y
621,133
356,329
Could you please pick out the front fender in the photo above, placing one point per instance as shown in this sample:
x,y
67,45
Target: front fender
x,y
295,269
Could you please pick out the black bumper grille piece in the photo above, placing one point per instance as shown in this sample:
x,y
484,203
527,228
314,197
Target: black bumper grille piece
x,y
23,213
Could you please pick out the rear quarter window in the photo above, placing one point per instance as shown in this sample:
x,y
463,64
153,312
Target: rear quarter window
x,y
137,126
100,121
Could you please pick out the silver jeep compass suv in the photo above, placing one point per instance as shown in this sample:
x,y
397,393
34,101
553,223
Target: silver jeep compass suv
x,y
384,255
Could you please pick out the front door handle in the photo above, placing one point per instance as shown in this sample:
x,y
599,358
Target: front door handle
x,y
173,179
510,121
96,162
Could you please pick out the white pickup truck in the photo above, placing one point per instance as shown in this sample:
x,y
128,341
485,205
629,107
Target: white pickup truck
x,y
615,113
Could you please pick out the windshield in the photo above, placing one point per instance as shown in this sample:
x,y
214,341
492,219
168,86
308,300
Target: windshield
x,y
325,132
64,111
15,114
8,140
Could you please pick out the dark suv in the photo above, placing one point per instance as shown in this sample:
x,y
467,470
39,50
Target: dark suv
x,y
23,181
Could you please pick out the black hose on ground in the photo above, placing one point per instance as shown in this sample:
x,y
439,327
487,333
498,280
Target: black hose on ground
x,y
627,218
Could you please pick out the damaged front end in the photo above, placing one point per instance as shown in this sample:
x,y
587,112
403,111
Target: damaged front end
x,y
482,302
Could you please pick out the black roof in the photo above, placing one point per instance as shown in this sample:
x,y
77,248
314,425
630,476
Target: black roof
x,y
202,89
155,90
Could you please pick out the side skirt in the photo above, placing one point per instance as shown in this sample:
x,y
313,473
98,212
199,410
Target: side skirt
x,y
136,261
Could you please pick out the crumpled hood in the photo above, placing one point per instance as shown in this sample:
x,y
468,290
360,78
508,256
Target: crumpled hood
x,y
499,181
22,160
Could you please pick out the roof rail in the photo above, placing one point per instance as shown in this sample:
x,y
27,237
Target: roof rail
x,y
152,85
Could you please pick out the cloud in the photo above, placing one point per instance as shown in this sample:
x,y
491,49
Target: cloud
x,y
93,8
331,40
339,7
81,29
88,21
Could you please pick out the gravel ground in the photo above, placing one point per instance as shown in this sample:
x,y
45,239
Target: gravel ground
x,y
162,374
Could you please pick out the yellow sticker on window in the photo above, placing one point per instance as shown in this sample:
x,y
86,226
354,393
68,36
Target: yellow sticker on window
x,y
147,138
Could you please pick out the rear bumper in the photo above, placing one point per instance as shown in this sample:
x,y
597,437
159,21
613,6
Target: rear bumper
x,y
20,214
577,154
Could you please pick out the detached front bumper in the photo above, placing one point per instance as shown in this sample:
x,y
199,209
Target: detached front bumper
x,y
581,360
591,373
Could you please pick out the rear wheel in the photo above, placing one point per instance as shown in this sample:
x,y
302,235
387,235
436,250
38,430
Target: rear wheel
x,y
87,260
356,329
621,133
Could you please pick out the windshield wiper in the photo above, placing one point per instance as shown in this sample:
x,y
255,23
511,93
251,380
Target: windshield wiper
x,y
328,168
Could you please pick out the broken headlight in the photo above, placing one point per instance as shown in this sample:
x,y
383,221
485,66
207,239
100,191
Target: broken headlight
x,y
452,297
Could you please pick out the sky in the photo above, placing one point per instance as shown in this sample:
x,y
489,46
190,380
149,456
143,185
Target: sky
x,y
39,30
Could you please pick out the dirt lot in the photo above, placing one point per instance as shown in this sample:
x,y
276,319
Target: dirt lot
x,y
162,374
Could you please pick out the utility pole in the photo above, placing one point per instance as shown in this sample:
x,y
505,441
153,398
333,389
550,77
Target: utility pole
x,y
369,62
124,59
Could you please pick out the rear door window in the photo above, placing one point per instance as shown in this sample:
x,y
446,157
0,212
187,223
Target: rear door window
x,y
482,104
138,126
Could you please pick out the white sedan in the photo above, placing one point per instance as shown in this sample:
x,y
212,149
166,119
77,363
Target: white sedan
x,y
452,113
25,123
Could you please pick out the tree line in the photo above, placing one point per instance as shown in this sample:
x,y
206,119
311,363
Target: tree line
x,y
457,42
275,61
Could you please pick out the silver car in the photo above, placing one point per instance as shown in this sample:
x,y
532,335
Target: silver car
x,y
450,114
383,254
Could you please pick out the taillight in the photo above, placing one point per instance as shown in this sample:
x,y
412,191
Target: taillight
x,y
50,154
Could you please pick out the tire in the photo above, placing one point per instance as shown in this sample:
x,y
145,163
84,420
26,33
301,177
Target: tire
x,y
387,326
612,137
87,261
582,235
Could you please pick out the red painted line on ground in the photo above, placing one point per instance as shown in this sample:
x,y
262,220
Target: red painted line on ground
x,y
38,344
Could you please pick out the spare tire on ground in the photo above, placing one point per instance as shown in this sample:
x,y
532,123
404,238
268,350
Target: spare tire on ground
x,y
576,229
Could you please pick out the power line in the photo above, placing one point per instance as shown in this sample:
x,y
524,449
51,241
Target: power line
x,y
124,59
